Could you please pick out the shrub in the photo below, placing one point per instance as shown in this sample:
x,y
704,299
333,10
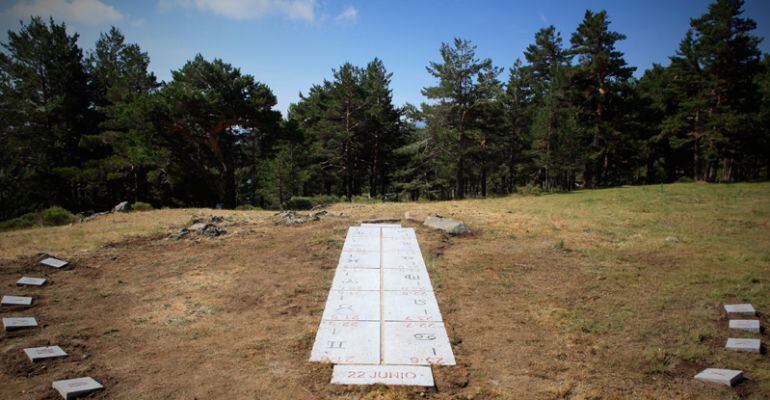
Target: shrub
x,y
56,216
49,217
141,206
299,203
306,203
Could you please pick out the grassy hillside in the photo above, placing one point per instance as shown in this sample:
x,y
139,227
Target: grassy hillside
x,y
612,293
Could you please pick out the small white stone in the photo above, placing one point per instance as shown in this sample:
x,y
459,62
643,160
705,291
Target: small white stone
x,y
72,388
31,281
54,262
41,353
749,325
747,309
15,323
726,377
407,375
740,344
16,301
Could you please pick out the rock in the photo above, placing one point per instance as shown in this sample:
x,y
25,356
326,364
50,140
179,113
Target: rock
x,y
672,239
448,225
123,206
381,220
417,216
290,218
211,230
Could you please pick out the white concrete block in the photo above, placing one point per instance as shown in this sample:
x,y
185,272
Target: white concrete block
x,y
405,375
740,344
416,343
26,281
398,233
16,301
74,388
397,260
41,353
749,325
409,307
54,262
727,377
359,260
746,309
359,305
395,279
15,323
356,279
347,342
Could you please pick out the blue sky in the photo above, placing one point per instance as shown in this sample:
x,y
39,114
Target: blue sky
x,y
292,44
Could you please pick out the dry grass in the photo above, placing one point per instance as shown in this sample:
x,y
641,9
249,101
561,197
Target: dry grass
x,y
572,296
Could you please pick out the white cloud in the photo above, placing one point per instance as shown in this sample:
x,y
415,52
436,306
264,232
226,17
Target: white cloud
x,y
350,14
303,10
88,12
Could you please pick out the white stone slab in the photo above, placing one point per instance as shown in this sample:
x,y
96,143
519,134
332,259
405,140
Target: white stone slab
x,y
404,375
398,233
409,246
746,309
359,260
396,279
740,344
78,387
26,281
410,307
416,343
54,262
347,342
361,246
11,324
749,325
16,301
358,305
358,231
356,279
727,377
399,260
41,353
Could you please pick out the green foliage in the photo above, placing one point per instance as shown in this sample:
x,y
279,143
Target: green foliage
x,y
91,131
52,216
306,203
141,206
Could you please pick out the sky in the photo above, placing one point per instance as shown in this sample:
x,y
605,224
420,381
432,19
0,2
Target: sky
x,y
292,44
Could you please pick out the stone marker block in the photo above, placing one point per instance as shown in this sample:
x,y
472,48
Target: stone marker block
x,y
746,309
73,388
347,342
54,262
408,375
749,325
356,279
416,343
25,281
740,344
359,305
728,377
41,353
16,301
12,324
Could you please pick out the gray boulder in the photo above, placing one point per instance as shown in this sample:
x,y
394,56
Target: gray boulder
x,y
448,225
123,206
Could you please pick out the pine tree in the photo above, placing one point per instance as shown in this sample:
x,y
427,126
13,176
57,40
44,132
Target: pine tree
x,y
600,76
465,82
45,109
